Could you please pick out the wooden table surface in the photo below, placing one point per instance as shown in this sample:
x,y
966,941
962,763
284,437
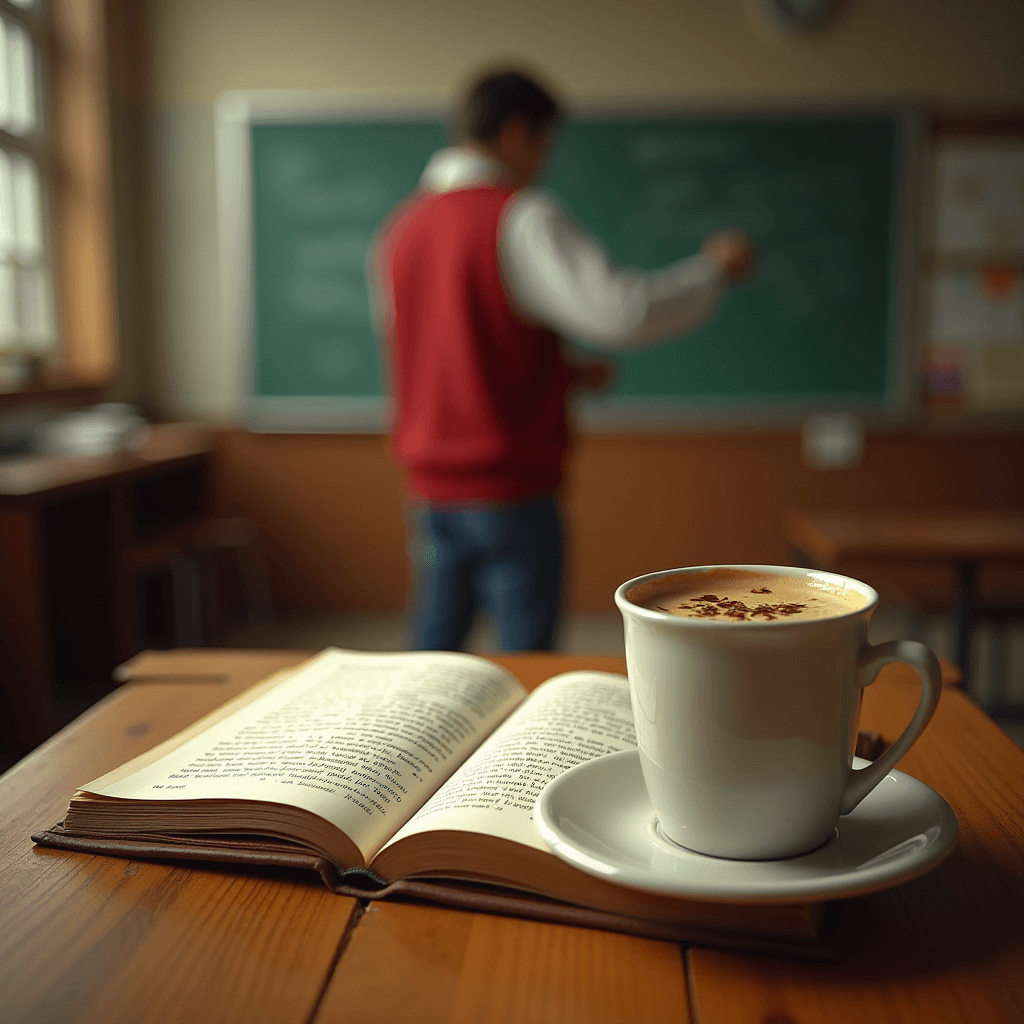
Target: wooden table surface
x,y
97,939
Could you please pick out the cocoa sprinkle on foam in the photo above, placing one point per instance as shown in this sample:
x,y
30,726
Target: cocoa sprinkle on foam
x,y
710,606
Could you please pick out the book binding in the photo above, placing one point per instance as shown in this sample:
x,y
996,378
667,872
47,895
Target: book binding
x,y
478,897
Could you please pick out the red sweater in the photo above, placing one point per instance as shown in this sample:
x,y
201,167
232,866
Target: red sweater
x,y
480,395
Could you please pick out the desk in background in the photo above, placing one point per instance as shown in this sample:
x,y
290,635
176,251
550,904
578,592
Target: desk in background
x,y
964,541
75,533
99,939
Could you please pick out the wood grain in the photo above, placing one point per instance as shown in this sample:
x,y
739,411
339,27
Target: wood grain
x,y
948,947
425,965
101,939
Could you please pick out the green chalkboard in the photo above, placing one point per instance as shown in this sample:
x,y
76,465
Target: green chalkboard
x,y
818,329
319,193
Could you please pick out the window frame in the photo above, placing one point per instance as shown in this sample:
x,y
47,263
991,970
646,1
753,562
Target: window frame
x,y
71,147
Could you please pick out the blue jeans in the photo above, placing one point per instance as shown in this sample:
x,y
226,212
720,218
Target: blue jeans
x,y
505,559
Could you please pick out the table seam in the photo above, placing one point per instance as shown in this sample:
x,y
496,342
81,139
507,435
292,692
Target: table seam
x,y
691,988
346,936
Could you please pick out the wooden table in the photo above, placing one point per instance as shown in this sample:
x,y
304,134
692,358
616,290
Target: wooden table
x,y
95,939
963,540
74,533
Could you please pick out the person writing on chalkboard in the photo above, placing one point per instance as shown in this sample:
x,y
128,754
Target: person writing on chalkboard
x,y
475,278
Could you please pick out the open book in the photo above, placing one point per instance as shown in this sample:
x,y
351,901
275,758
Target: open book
x,y
400,774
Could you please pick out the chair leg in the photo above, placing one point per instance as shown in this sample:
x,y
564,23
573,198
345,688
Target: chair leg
x,y
209,593
188,627
1000,664
963,614
917,624
252,570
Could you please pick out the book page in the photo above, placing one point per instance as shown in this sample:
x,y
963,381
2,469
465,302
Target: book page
x,y
361,740
567,720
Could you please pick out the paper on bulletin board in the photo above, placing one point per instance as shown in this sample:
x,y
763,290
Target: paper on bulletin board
x,y
980,191
995,379
977,308
944,374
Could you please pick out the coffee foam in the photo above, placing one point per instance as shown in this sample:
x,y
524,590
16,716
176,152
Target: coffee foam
x,y
740,595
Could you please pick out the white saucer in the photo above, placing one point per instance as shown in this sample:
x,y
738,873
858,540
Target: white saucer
x,y
597,816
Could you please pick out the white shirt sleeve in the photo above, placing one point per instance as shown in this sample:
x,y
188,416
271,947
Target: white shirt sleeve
x,y
560,275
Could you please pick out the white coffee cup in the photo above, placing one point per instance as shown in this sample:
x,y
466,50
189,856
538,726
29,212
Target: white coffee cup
x,y
747,730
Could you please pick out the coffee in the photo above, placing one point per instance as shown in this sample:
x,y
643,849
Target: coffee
x,y
739,595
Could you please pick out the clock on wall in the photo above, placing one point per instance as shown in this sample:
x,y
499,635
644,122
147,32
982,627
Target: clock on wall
x,y
801,15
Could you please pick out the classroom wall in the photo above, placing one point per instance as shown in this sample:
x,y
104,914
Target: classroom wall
x,y
329,507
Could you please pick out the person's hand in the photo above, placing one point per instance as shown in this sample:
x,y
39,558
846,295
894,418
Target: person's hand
x,y
733,253
594,375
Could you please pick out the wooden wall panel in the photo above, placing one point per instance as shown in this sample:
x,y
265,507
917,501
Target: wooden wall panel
x,y
329,507
329,513
642,504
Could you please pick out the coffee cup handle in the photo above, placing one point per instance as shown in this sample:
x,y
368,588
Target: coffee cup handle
x,y
871,661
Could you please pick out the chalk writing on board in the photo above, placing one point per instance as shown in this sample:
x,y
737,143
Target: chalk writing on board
x,y
653,149
305,189
673,191
328,295
807,187
335,250
334,360
356,199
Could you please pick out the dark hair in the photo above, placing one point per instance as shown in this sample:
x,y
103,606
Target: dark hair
x,y
498,97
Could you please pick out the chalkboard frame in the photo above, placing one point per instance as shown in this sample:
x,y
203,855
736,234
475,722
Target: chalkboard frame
x,y
238,111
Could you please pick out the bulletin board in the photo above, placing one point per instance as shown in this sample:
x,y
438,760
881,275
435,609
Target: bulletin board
x,y
974,354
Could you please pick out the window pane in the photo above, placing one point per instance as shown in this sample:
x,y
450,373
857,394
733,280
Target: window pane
x,y
17,78
28,5
5,77
7,227
8,307
28,213
36,308
21,68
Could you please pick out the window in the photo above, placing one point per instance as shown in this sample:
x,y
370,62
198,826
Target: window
x,y
26,280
